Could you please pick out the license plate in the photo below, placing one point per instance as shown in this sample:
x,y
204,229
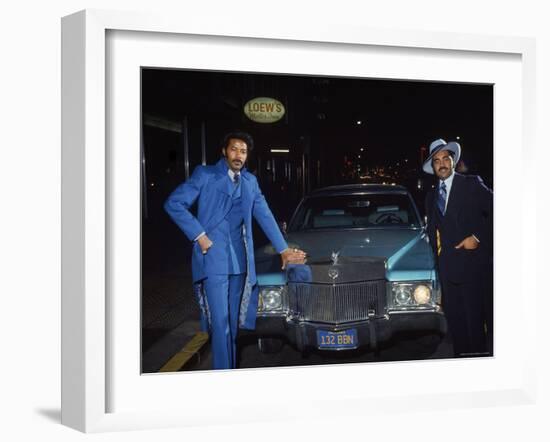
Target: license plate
x,y
337,340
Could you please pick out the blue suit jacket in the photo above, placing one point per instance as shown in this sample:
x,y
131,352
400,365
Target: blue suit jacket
x,y
469,212
211,188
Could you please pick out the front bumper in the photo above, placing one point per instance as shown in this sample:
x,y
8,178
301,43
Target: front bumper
x,y
369,333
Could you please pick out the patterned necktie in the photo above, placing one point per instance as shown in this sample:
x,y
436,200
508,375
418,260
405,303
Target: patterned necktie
x,y
442,198
236,178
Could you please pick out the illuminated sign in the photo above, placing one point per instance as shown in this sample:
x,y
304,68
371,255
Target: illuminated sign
x,y
280,150
264,110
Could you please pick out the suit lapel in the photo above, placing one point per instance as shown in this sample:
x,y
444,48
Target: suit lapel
x,y
224,188
455,195
221,191
245,191
223,183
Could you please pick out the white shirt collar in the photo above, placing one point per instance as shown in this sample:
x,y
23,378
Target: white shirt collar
x,y
448,181
448,184
232,174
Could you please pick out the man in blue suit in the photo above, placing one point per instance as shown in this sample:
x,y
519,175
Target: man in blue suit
x,y
224,275
459,211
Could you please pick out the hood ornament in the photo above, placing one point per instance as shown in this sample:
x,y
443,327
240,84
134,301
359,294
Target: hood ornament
x,y
333,272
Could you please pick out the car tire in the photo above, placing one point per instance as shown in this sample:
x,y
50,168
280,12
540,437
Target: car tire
x,y
270,345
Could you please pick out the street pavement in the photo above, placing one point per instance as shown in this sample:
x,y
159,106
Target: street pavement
x,y
402,348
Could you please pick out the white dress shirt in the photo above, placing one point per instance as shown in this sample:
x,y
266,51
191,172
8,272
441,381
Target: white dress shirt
x,y
448,184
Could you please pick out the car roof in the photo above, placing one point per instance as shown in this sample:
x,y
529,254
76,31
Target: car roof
x,y
348,189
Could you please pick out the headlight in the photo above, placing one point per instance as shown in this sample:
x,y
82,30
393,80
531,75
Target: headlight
x,y
402,295
405,295
271,299
422,294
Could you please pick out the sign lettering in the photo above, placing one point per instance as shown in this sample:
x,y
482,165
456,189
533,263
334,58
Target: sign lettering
x,y
264,110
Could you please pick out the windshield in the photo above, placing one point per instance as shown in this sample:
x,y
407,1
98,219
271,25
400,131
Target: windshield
x,y
355,211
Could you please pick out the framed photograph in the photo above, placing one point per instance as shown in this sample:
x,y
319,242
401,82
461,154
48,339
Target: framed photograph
x,y
136,90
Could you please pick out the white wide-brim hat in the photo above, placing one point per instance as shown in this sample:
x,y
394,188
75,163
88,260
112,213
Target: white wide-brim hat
x,y
437,146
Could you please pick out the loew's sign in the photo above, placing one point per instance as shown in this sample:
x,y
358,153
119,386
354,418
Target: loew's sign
x,y
264,110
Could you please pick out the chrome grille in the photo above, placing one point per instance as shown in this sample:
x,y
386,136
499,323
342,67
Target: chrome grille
x,y
336,303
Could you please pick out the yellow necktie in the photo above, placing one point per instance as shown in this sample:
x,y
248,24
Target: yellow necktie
x,y
438,241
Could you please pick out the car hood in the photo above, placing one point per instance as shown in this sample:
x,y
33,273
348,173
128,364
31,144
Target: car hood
x,y
403,249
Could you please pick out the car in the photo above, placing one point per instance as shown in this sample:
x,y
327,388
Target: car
x,y
370,273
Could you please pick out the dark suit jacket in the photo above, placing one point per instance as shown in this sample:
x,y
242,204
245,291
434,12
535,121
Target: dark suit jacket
x,y
469,212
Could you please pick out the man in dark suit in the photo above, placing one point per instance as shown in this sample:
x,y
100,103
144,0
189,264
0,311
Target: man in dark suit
x,y
459,211
223,269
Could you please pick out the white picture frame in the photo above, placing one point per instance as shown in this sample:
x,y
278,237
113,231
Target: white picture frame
x,y
87,211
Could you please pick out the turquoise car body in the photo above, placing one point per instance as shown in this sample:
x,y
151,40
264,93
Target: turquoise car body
x,y
409,255
408,262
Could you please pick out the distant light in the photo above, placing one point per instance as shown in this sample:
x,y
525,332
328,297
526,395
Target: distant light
x,y
362,149
280,150
358,156
393,184
458,138
152,184
359,122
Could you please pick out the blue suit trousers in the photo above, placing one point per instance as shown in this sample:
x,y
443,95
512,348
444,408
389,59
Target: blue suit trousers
x,y
223,294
